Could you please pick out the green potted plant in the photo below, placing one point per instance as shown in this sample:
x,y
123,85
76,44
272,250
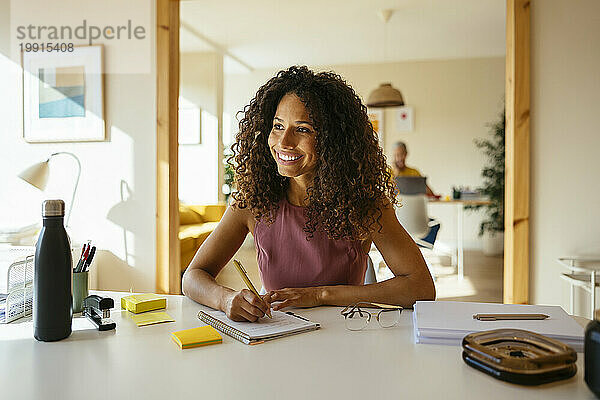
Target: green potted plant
x,y
492,227
228,184
229,176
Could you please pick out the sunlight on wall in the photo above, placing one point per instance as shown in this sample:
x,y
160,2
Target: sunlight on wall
x,y
122,242
198,165
126,244
122,213
20,201
228,132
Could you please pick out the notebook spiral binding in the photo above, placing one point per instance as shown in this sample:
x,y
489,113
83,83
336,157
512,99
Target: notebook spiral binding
x,y
229,330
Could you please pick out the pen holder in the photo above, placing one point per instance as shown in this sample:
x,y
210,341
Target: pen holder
x,y
80,290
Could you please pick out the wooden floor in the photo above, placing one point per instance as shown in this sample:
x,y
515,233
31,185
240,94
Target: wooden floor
x,y
482,281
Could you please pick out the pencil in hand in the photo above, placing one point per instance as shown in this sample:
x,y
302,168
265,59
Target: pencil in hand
x,y
248,282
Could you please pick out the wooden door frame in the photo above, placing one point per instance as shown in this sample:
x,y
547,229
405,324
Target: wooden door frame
x,y
516,214
517,172
168,270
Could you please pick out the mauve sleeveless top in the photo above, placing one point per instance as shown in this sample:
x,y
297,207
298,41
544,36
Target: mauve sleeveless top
x,y
286,259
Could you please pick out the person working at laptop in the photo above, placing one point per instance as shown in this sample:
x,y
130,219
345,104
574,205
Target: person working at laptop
x,y
401,169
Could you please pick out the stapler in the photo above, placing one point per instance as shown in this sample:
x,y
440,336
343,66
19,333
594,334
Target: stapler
x,y
97,310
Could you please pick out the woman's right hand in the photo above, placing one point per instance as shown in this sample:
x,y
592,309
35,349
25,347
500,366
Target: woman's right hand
x,y
244,306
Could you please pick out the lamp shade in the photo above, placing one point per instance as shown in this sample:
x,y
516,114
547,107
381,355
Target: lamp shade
x,y
36,175
385,96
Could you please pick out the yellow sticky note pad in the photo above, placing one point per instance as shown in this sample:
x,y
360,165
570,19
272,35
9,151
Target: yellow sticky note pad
x,y
195,337
138,303
151,318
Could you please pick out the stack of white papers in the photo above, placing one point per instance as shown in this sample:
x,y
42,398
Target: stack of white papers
x,y
447,322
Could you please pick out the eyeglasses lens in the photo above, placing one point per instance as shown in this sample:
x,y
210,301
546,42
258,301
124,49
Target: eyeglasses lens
x,y
389,318
356,320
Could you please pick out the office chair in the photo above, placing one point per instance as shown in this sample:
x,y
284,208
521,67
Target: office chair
x,y
413,211
412,214
429,239
370,274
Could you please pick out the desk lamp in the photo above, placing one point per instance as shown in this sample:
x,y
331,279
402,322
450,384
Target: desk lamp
x,y
37,175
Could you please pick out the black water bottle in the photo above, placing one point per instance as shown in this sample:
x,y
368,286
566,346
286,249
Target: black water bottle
x,y
52,296
592,354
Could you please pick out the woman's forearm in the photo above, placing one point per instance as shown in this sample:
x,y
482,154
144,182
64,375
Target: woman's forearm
x,y
400,290
201,287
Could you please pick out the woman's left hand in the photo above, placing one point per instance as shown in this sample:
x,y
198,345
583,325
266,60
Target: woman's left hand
x,y
294,297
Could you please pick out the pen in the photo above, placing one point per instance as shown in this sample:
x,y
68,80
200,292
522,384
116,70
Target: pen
x,y
503,317
86,254
297,316
88,261
248,282
81,258
83,250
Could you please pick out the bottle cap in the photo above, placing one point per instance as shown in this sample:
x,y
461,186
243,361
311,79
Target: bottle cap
x,y
53,208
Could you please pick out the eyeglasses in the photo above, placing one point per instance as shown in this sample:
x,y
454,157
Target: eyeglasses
x,y
356,318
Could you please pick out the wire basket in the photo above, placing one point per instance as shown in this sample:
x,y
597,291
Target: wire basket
x,y
19,301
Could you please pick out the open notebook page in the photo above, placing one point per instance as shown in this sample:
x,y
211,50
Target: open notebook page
x,y
280,324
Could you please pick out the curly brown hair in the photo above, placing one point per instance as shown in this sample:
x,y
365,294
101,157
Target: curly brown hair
x,y
351,181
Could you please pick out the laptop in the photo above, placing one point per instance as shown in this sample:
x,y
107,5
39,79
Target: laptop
x,y
411,184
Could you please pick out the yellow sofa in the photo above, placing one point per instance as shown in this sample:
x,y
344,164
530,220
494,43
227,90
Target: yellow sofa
x,y
196,222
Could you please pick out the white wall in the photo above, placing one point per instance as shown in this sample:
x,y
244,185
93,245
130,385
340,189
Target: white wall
x,y
565,138
453,101
198,163
126,259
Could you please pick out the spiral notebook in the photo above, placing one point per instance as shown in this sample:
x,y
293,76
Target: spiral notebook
x,y
282,324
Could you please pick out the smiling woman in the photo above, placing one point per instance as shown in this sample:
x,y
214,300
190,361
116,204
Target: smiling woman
x,y
314,190
292,140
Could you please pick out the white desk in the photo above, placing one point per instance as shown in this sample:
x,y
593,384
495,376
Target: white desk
x,y
332,363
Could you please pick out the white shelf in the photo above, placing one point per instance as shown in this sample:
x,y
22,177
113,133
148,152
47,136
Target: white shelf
x,y
583,264
583,269
579,280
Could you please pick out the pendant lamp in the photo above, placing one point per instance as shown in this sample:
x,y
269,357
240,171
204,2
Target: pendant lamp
x,y
385,95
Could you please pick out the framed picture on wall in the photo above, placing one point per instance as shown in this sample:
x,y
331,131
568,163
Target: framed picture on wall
x,y
376,116
63,95
405,119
